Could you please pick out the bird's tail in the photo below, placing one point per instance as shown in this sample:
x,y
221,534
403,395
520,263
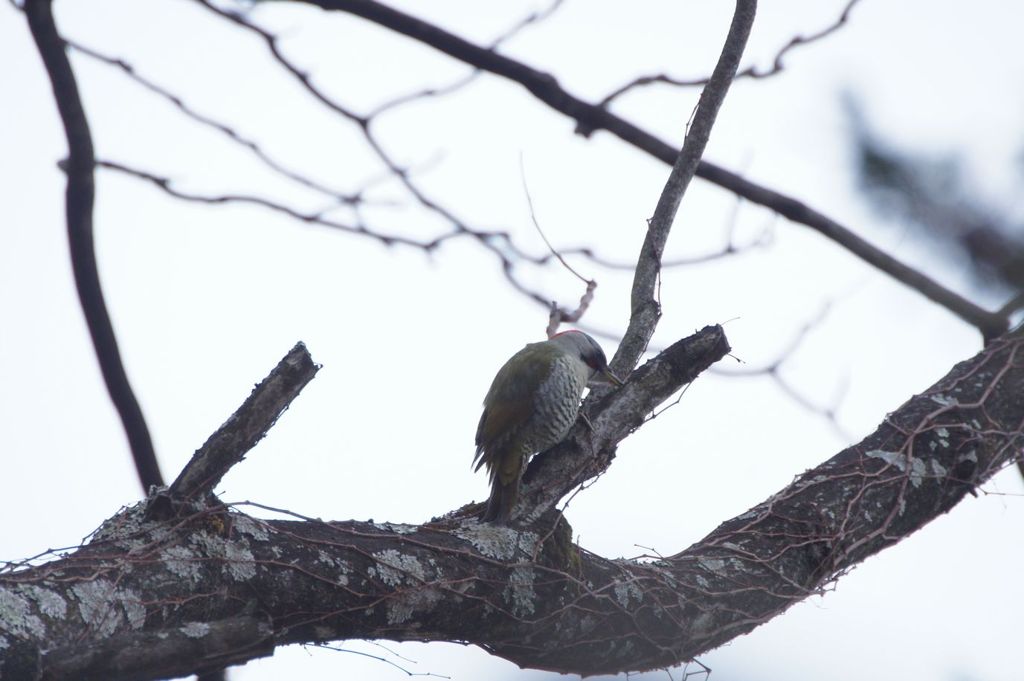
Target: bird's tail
x,y
503,498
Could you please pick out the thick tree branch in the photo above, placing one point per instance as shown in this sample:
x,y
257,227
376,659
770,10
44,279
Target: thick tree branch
x,y
79,198
229,585
200,647
591,117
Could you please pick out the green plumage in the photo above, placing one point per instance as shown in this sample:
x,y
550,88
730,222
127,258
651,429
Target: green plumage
x,y
532,404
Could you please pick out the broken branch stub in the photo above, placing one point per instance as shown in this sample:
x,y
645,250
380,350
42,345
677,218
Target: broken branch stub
x,y
247,426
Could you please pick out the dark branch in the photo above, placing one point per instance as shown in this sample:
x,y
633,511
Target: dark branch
x,y
524,593
79,198
591,117
247,426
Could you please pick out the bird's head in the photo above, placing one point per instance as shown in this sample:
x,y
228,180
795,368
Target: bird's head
x,y
586,349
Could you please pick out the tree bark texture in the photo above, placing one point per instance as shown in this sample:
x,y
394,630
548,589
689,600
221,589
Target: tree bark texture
x,y
149,598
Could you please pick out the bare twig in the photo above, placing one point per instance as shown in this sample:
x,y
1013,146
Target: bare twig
x,y
558,315
425,93
790,349
528,20
497,242
750,72
381,658
166,185
773,370
222,128
79,198
536,225
761,241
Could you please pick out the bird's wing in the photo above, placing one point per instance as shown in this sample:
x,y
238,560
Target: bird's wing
x,y
510,401
497,425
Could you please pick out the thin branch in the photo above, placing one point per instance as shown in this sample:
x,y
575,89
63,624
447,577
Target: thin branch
x,y
222,128
527,21
763,239
788,351
246,427
828,413
380,658
536,226
557,314
645,311
426,93
750,72
773,370
166,185
497,242
79,199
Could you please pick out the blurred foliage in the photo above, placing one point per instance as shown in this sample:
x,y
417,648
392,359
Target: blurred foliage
x,y
937,197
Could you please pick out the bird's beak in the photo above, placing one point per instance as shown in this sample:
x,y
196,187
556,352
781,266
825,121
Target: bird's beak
x,y
608,377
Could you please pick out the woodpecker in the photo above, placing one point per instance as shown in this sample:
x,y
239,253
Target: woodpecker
x,y
531,406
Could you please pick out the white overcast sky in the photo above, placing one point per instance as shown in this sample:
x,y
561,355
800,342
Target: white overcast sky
x,y
206,300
